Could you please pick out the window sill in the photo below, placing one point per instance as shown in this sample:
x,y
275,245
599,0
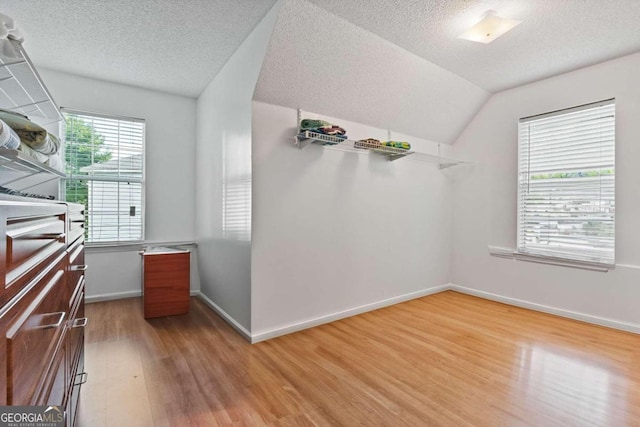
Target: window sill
x,y
132,246
541,259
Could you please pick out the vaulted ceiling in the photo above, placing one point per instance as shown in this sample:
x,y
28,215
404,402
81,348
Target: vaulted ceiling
x,y
179,46
323,64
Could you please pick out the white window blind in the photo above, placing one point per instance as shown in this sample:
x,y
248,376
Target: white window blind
x,y
566,188
236,208
104,159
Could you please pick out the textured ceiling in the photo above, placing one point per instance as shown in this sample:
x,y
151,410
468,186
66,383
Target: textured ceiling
x,y
555,36
169,45
179,45
323,64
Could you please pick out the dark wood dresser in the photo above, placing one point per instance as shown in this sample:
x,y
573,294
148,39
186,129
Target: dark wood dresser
x,y
42,303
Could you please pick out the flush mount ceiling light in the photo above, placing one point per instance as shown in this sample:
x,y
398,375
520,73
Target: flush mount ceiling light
x,y
489,28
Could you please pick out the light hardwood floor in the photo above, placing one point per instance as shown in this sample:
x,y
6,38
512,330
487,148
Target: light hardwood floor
x,y
442,360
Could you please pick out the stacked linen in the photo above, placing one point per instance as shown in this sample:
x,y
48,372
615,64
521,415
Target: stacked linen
x,y
8,137
367,143
35,137
397,144
323,127
378,145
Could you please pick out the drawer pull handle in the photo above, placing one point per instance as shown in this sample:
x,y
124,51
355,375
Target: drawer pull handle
x,y
79,267
52,235
57,324
37,227
80,323
83,378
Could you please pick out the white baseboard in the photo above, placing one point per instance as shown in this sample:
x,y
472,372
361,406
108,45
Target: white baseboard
x,y
112,296
122,295
306,324
602,321
230,320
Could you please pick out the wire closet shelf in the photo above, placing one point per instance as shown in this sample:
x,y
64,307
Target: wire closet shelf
x,y
23,91
306,137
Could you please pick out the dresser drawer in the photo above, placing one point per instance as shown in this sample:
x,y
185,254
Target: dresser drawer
x,y
77,323
31,236
75,270
35,324
56,383
78,377
75,222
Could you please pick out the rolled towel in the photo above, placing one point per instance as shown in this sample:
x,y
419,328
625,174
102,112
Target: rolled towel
x,y
35,136
42,158
397,144
329,133
308,124
50,144
8,137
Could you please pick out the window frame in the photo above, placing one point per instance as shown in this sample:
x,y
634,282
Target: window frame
x,y
142,180
565,258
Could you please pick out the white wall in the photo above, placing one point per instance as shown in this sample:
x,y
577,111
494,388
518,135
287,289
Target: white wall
x,y
485,203
223,154
170,156
334,231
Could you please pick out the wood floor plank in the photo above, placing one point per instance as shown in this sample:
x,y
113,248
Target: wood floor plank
x,y
442,360
117,388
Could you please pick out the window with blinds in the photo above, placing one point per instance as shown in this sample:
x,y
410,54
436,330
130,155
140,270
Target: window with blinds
x,y
104,159
236,208
566,188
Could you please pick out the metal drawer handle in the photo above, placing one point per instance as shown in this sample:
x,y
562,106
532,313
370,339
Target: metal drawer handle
x,y
83,378
53,325
80,323
53,235
79,267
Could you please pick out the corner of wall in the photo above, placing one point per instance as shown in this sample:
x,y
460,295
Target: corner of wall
x,y
223,169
